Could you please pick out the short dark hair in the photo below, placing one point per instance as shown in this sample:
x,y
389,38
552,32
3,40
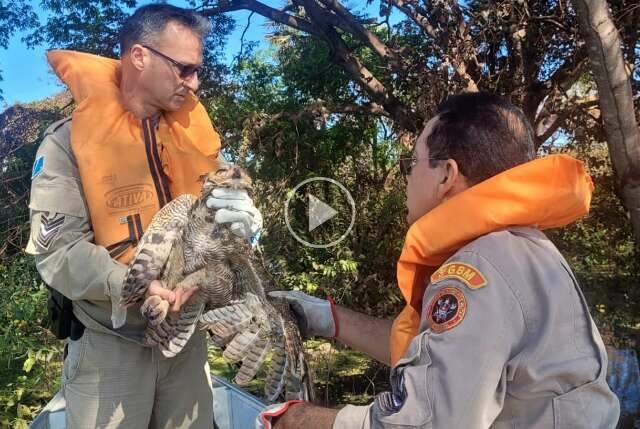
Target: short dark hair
x,y
148,21
484,133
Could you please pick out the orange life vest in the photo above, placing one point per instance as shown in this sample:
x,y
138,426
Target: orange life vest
x,y
544,193
128,168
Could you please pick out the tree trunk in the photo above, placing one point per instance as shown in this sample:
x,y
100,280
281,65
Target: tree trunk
x,y
616,100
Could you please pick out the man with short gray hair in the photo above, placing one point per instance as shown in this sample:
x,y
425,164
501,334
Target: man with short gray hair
x,y
137,139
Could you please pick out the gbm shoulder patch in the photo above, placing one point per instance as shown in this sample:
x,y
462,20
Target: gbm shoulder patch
x,y
446,310
467,274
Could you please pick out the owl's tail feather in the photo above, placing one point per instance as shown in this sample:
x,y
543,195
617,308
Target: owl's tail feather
x,y
298,380
277,373
174,332
242,344
227,321
252,361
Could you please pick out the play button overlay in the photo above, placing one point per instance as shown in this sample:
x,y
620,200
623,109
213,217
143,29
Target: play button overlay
x,y
319,212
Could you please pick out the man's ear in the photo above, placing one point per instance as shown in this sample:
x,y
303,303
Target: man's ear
x,y
450,178
137,56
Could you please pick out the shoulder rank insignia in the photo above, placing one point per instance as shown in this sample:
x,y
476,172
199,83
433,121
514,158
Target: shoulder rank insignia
x,y
446,310
467,274
49,228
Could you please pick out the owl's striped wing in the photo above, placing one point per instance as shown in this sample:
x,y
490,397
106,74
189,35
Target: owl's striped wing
x,y
242,328
154,248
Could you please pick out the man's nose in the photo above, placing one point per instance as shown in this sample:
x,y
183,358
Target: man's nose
x,y
192,82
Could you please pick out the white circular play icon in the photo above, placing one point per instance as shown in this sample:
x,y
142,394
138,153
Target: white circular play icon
x,y
323,221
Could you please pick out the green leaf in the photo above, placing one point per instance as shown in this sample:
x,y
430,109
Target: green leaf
x,y
28,364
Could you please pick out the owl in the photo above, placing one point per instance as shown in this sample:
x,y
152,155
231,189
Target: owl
x,y
184,246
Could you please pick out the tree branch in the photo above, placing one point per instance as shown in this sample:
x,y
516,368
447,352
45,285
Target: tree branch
x,y
372,86
361,33
317,109
321,23
569,72
467,48
420,20
359,109
268,12
562,80
458,62
548,126
244,32
553,20
545,126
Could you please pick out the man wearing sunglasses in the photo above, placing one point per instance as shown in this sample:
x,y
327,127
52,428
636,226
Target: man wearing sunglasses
x,y
138,139
495,332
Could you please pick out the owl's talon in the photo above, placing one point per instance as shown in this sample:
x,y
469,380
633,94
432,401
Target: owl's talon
x,y
155,309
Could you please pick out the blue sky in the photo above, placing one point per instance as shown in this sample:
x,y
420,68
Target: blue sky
x,y
26,75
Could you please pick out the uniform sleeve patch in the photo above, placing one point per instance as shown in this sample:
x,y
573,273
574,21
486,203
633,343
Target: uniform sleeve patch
x,y
389,403
38,165
49,229
446,310
467,274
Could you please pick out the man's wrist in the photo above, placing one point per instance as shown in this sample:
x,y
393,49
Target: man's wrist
x,y
334,316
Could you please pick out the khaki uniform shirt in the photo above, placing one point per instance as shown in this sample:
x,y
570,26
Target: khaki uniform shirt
x,y
506,341
62,239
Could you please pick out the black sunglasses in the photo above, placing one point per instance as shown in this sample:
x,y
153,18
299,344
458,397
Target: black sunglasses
x,y
185,71
406,163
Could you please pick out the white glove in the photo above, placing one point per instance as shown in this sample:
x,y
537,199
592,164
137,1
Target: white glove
x,y
237,208
316,316
263,420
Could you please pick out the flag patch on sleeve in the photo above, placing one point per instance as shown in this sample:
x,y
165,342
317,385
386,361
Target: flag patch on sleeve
x,y
467,274
38,165
49,229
